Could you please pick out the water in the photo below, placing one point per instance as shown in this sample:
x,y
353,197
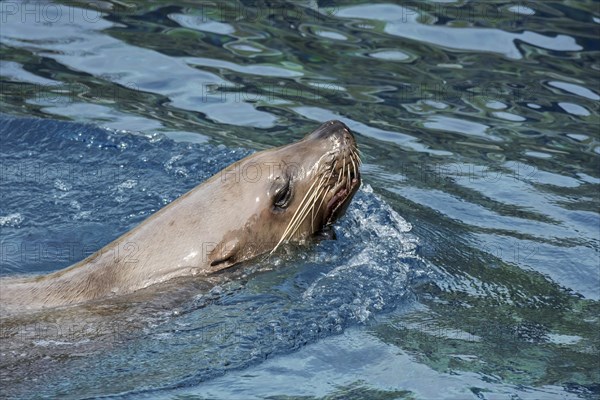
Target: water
x,y
466,267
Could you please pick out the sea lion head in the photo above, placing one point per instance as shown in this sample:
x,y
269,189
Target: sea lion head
x,y
289,193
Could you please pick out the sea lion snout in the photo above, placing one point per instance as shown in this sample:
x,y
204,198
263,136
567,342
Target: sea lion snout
x,y
333,130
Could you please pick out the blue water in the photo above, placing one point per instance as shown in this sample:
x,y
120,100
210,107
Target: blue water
x,y
467,265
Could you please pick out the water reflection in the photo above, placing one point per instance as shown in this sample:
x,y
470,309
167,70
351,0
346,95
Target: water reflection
x,y
478,123
404,22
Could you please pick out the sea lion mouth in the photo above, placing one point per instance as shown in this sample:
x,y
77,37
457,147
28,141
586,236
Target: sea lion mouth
x,y
336,206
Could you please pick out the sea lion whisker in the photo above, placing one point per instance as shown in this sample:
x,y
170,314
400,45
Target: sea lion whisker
x,y
310,202
301,217
359,151
313,208
290,225
323,194
349,174
314,200
291,229
301,220
356,154
326,189
308,205
309,193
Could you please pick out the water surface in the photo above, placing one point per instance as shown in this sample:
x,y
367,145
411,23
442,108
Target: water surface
x,y
466,267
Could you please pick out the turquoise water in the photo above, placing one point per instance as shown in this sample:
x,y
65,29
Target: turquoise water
x,y
466,267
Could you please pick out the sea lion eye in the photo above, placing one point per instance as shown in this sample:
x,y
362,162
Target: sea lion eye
x,y
283,196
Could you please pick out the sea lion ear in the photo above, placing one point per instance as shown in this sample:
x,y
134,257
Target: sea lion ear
x,y
223,255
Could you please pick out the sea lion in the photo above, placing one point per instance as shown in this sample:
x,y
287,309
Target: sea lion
x,y
250,208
